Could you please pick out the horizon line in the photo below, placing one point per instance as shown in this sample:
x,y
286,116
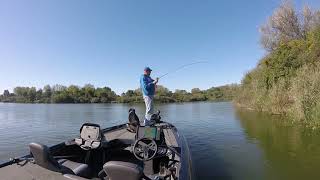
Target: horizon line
x,y
11,90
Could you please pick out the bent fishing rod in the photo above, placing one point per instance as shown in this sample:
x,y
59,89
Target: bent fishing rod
x,y
181,67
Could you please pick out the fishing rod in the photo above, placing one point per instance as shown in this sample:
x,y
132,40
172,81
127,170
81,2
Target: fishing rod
x,y
181,67
29,158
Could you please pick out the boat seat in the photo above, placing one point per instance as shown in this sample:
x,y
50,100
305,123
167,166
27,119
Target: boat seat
x,y
90,136
43,158
119,170
78,169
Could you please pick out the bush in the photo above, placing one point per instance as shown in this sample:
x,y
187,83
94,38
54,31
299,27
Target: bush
x,y
306,94
287,80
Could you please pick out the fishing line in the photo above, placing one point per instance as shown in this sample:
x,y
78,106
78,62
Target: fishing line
x,y
181,67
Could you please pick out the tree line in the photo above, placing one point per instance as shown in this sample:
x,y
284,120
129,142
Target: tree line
x,y
287,79
89,94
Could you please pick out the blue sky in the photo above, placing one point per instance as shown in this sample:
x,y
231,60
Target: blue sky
x,y
108,43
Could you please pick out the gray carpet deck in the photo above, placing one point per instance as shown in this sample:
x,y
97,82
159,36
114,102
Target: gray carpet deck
x,y
30,171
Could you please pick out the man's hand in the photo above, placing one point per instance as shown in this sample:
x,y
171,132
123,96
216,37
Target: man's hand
x,y
156,81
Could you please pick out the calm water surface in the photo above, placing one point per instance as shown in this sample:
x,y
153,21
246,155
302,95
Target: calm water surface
x,y
225,143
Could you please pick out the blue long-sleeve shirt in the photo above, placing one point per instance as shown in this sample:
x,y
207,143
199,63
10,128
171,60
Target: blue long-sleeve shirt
x,y
146,85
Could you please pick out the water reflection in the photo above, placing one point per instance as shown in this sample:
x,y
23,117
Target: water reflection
x,y
290,151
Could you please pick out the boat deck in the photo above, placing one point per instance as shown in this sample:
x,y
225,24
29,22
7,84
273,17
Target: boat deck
x,y
27,170
124,135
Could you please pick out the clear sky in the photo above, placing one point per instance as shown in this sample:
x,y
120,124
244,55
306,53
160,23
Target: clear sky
x,y
108,43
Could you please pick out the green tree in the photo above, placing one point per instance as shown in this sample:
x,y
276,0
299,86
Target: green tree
x,y
39,96
87,93
74,93
105,95
32,94
6,93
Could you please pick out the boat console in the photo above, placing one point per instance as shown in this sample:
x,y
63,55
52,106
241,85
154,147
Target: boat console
x,y
145,146
151,132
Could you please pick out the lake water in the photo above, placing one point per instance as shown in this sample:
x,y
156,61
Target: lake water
x,y
225,143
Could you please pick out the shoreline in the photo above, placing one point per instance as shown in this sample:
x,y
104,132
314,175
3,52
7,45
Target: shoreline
x,y
122,102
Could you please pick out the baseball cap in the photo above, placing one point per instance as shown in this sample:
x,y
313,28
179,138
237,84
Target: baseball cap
x,y
147,69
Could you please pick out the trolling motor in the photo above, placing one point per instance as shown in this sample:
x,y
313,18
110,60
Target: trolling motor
x,y
155,118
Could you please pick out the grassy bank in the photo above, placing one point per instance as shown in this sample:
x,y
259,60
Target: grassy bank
x,y
287,80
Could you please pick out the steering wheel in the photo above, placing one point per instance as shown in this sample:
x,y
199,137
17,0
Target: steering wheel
x,y
145,149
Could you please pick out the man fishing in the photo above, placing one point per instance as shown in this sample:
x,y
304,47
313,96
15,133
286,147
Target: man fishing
x,y
148,85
